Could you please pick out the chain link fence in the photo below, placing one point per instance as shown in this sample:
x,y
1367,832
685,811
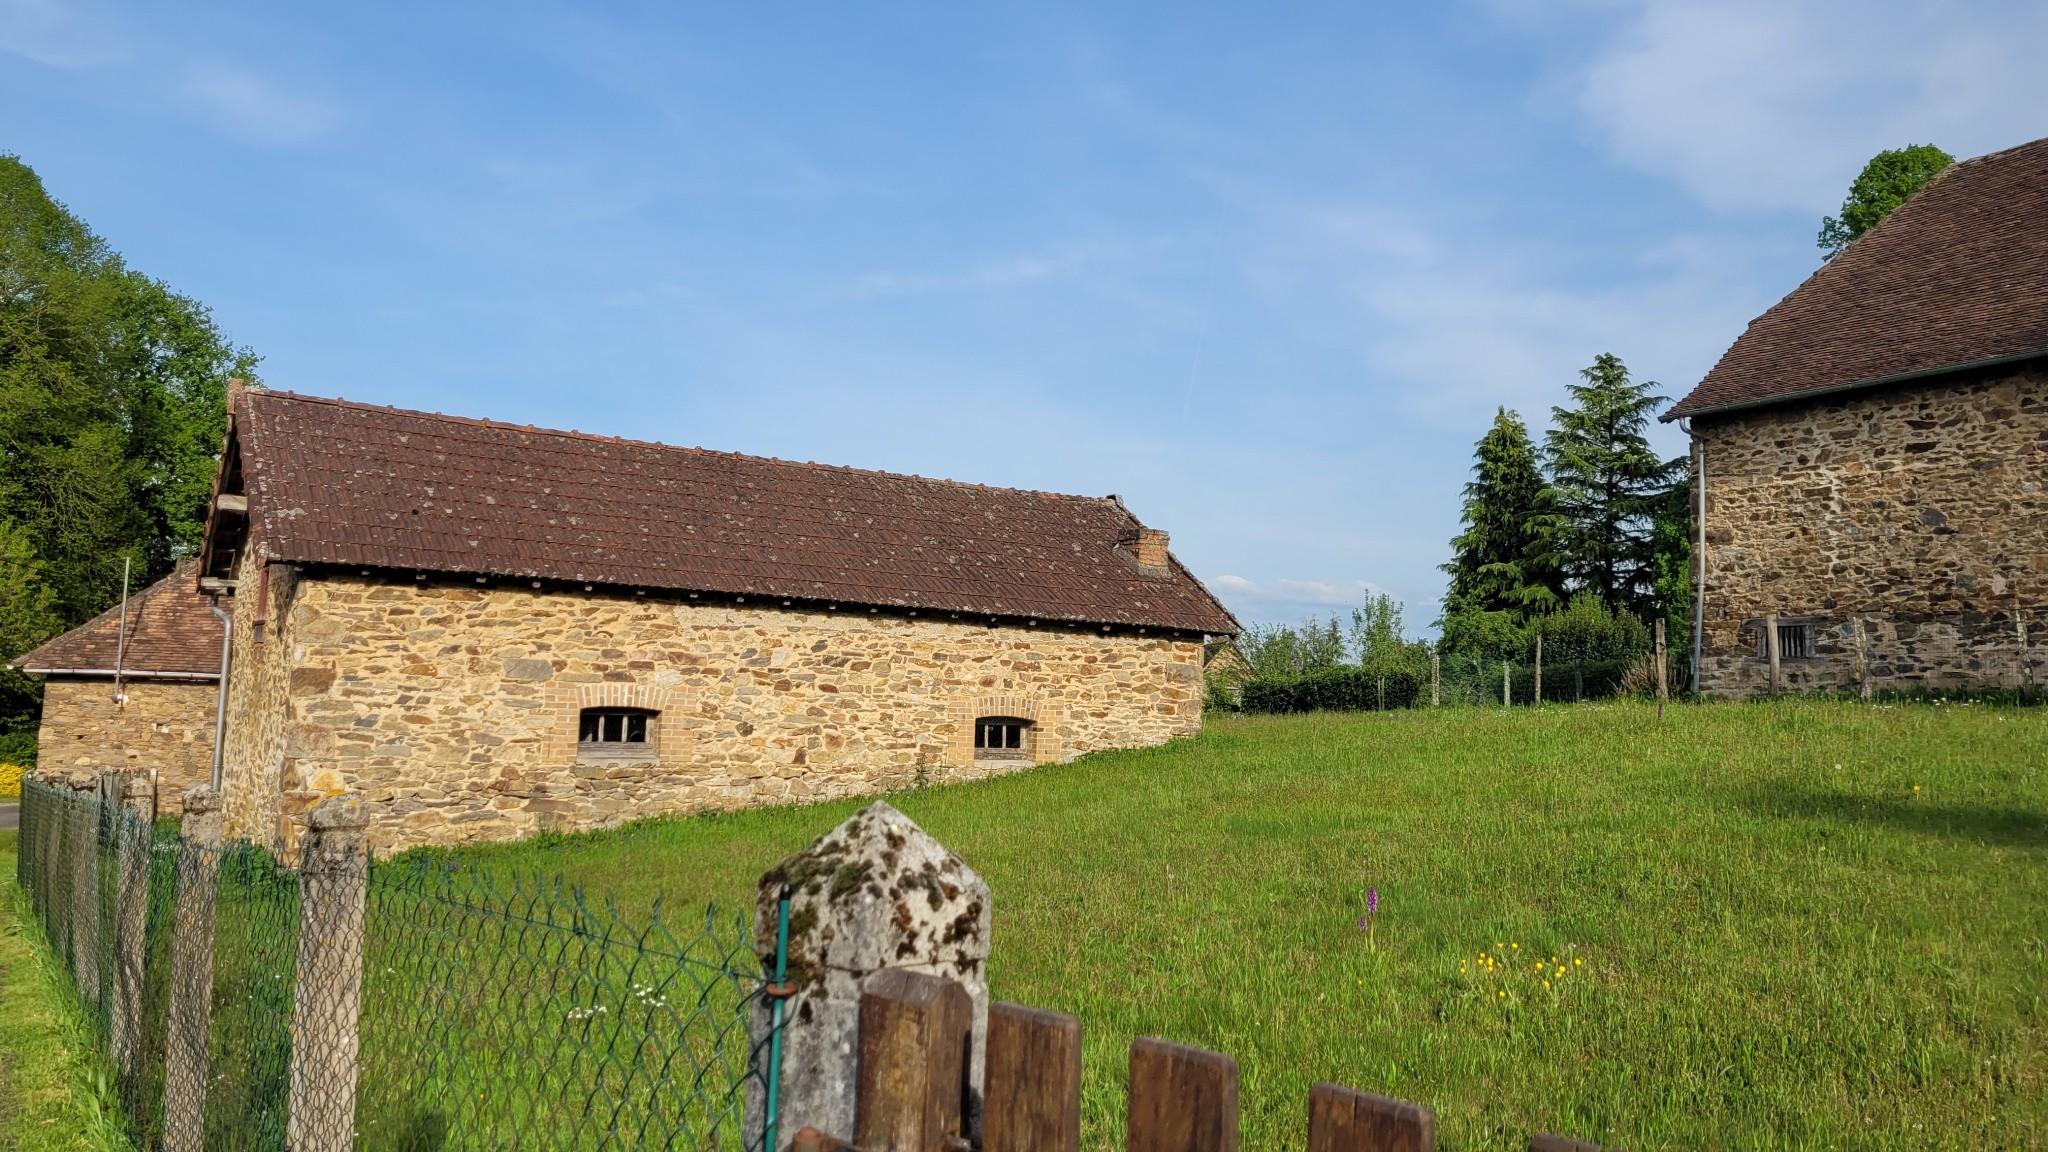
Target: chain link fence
x,y
412,1005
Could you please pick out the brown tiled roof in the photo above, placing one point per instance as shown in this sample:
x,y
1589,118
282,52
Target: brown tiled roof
x,y
172,634
1955,276
331,482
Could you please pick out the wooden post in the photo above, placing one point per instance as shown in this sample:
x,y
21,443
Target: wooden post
x,y
1663,686
327,998
191,1006
1771,647
1031,1099
85,887
1182,1099
1436,697
915,1035
1346,1120
134,821
1539,669
1507,699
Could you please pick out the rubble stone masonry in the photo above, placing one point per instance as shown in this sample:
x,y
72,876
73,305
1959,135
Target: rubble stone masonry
x,y
452,708
165,726
1907,526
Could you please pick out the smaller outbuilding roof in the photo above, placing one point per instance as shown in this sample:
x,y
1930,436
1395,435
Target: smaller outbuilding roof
x,y
172,635
1955,277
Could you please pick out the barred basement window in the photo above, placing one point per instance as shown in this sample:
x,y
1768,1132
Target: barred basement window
x,y
1795,641
1002,738
615,734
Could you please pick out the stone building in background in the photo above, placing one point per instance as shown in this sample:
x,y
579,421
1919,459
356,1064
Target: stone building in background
x,y
157,713
1875,456
489,629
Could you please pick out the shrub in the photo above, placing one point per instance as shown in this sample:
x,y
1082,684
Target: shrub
x,y
10,778
1342,689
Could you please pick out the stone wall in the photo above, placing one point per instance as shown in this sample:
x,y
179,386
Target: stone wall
x,y
166,725
453,707
1908,526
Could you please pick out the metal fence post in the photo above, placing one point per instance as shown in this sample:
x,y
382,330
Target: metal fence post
x,y
133,823
327,998
191,1007
85,887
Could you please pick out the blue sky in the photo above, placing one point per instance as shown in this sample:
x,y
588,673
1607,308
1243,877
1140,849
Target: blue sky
x,y
1265,270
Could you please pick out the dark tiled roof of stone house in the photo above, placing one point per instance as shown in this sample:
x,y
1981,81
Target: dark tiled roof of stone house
x,y
331,482
172,634
1955,276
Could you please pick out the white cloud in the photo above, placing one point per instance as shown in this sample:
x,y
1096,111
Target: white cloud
x,y
254,109
1010,272
1775,104
56,35
1459,325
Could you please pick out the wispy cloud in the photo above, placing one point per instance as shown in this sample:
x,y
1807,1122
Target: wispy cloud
x,y
1774,103
58,35
1057,262
253,108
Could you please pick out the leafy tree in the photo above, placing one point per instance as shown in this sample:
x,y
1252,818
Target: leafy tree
x,y
1277,652
1671,536
1378,642
112,407
1497,563
28,617
1606,486
1883,185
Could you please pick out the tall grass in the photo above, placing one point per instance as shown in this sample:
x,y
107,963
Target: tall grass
x,y
1788,925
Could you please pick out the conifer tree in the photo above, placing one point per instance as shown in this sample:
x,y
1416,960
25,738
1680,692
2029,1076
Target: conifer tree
x,y
1607,486
1497,564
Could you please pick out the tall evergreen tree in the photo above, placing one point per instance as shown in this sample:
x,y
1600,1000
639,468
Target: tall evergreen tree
x,y
1497,564
1607,487
113,395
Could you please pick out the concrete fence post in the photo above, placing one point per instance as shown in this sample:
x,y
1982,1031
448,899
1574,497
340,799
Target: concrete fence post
x,y
875,893
134,821
191,1007
85,886
327,997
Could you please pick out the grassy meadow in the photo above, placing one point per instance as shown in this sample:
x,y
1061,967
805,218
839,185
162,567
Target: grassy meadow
x,y
1789,925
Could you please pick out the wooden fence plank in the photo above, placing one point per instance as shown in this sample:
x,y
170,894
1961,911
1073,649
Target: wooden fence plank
x,y
1031,1098
1182,1099
916,1032
1346,1120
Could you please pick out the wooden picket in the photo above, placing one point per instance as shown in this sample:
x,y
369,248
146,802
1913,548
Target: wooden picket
x,y
914,1094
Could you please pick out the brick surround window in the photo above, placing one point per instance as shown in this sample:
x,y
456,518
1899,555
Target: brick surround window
x,y
1002,738
615,734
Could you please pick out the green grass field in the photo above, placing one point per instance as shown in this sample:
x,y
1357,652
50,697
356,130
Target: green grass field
x,y
1796,925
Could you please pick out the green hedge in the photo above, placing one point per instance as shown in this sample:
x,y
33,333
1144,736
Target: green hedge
x,y
1351,689
1345,689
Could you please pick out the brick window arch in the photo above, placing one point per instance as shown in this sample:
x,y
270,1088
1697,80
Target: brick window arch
x,y
571,707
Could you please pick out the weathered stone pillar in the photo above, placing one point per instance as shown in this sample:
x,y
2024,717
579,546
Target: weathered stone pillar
x,y
191,1008
85,887
876,892
133,821
327,998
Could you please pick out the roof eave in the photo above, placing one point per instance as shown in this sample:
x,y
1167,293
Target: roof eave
x,y
126,673
1681,412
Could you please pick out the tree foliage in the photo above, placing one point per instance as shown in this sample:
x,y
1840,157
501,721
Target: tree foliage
x,y
112,409
1606,488
1883,185
1498,563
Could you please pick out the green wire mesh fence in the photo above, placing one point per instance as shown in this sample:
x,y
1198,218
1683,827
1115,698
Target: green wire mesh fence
x,y
493,1012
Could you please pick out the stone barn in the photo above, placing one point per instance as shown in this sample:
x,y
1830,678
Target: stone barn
x,y
1873,456
488,629
137,696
